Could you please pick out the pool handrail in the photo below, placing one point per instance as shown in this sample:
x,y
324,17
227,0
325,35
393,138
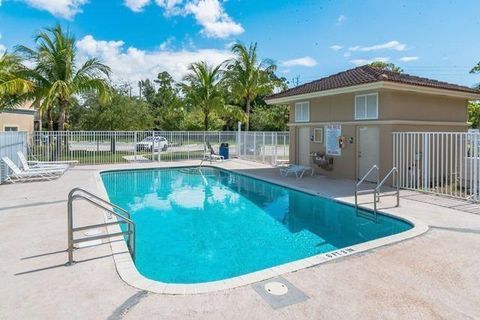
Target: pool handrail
x,y
91,198
379,185
362,180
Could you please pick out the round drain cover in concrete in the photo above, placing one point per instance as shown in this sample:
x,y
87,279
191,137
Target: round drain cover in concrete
x,y
276,288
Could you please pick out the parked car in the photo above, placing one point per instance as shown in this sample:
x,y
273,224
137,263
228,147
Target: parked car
x,y
152,143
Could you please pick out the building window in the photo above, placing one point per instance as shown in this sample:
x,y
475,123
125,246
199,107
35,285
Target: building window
x,y
10,128
366,106
302,111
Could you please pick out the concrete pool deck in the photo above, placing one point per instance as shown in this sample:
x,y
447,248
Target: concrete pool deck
x,y
435,275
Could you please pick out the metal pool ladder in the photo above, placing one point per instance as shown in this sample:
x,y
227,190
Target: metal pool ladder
x,y
376,189
79,193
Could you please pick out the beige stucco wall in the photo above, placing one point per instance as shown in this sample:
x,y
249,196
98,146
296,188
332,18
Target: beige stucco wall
x,y
24,122
393,107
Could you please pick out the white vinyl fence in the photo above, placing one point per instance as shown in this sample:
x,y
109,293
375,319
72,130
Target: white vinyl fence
x,y
444,163
97,147
10,144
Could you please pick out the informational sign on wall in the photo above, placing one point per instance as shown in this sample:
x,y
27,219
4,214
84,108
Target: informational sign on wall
x,y
332,135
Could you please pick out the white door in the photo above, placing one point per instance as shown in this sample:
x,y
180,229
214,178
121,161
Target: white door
x,y
303,146
368,151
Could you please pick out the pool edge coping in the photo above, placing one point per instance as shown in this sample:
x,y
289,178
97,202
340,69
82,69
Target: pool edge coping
x,y
128,272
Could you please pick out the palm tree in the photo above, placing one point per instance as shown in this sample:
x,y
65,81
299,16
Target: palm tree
x,y
247,77
202,88
57,75
12,84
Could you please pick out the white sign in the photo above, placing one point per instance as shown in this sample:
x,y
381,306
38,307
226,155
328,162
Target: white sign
x,y
333,133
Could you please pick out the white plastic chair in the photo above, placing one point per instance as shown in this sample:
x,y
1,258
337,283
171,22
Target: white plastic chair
x,y
31,175
298,170
40,166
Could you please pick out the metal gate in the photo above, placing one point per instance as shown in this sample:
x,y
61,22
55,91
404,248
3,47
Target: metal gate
x,y
444,163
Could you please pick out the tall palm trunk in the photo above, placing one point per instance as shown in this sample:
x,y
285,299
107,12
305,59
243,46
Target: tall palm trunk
x,y
205,120
247,125
36,106
61,117
49,120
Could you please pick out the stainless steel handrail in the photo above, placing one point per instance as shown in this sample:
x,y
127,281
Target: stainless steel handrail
x,y
99,199
359,183
130,224
376,191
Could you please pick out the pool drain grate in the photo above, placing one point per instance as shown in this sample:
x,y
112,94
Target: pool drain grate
x,y
279,293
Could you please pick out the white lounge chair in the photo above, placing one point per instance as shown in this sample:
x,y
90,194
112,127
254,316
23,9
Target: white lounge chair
x,y
40,166
298,170
68,163
31,175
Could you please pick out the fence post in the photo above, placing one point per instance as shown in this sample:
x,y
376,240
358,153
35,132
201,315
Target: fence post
x,y
274,149
239,139
263,145
425,160
254,146
475,166
135,146
94,148
153,145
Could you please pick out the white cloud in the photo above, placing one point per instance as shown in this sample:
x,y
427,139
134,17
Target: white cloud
x,y
391,45
300,62
216,23
361,62
136,5
60,8
336,47
408,59
133,64
171,7
209,14
347,54
341,19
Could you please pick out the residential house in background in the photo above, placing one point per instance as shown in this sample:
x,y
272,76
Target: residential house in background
x,y
18,119
342,125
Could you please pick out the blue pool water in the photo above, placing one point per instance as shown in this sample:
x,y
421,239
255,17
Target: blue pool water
x,y
194,228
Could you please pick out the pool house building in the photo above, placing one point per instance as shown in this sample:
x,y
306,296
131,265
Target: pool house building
x,y
343,124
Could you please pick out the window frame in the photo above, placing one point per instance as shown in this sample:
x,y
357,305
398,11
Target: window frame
x,y
303,103
366,106
11,126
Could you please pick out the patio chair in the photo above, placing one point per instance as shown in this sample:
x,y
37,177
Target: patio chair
x,y
298,170
40,166
68,163
30,175
211,155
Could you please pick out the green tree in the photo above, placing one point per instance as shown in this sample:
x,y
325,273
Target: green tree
x,y
165,102
474,114
248,78
122,113
386,66
270,118
12,81
203,91
58,76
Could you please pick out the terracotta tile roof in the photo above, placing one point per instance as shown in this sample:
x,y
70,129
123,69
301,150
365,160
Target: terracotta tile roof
x,y
366,74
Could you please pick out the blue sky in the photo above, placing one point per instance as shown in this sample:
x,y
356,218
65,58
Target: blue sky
x,y
308,39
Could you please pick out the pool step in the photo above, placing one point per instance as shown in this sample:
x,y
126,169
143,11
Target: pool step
x,y
366,215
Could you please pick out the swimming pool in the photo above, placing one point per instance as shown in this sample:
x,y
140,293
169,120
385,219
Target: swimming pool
x,y
194,228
